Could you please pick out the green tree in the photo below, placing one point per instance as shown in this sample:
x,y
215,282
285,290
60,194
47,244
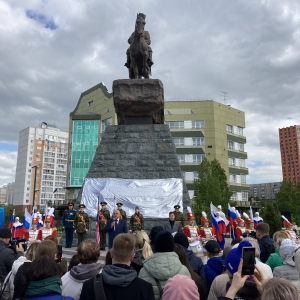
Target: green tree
x,y
210,186
269,214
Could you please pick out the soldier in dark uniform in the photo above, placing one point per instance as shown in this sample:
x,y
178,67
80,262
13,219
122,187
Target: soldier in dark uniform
x,y
81,223
104,216
136,221
68,224
122,212
178,215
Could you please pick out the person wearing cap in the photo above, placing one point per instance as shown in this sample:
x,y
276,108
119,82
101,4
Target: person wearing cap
x,y
68,224
214,266
240,228
104,216
136,221
46,230
8,256
289,229
122,212
179,215
222,215
257,219
251,231
32,233
206,234
17,229
81,223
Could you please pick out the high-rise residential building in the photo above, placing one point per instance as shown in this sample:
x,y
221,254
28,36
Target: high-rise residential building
x,y
289,139
3,194
9,193
199,128
41,165
264,190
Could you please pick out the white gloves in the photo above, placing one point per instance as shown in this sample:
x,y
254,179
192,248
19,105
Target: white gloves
x,y
63,227
75,231
130,231
86,230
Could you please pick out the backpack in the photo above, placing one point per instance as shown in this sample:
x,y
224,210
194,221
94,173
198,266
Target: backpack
x,y
270,247
161,290
98,288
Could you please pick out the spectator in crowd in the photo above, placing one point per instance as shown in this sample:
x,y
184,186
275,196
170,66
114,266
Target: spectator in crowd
x,y
180,287
43,280
163,264
154,231
275,259
72,282
108,259
48,248
142,250
214,266
74,261
179,250
118,281
287,251
63,265
114,227
195,262
171,225
264,241
235,241
28,258
8,256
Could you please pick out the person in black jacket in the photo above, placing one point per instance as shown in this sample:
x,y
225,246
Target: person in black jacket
x,y
7,255
195,262
119,281
264,241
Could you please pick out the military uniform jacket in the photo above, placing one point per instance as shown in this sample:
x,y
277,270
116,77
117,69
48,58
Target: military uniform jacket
x,y
179,218
135,224
106,215
80,219
68,218
123,214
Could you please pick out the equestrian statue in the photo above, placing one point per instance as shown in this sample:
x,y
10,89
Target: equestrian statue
x,y
139,53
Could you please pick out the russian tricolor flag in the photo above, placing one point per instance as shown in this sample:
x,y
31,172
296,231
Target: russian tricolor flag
x,y
218,224
27,220
232,217
12,220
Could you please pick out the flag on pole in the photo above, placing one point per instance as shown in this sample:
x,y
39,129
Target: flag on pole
x,y
251,214
98,234
218,224
55,191
27,220
12,219
232,217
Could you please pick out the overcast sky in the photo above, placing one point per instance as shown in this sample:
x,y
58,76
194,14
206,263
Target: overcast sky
x,y
52,51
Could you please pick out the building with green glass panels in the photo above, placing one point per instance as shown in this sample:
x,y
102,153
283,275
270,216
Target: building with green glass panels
x,y
199,129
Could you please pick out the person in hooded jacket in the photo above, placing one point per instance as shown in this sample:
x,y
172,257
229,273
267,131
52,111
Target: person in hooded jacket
x,y
72,282
118,281
214,266
153,232
163,264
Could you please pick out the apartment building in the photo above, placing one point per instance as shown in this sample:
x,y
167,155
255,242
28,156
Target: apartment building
x,y
3,194
289,139
264,190
41,167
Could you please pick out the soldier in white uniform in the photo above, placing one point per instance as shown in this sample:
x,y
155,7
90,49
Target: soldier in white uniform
x,y
32,234
222,215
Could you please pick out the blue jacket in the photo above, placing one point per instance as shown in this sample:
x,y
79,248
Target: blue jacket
x,y
264,253
122,228
213,268
69,215
48,296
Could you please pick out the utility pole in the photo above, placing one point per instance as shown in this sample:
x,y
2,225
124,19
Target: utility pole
x,y
34,167
225,96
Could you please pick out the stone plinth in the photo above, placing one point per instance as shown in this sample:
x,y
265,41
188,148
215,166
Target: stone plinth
x,y
135,152
139,98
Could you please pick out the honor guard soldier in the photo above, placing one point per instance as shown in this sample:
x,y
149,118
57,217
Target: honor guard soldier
x,y
68,224
179,215
122,212
240,228
136,221
81,223
104,216
46,230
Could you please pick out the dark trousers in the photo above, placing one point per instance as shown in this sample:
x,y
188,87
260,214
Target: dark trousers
x,y
102,239
69,236
81,237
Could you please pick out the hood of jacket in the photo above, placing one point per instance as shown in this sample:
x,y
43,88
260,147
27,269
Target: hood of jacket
x,y
17,263
118,275
81,273
163,265
216,264
247,292
3,245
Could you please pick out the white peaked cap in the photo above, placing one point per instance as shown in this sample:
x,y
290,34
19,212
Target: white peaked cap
x,y
284,218
189,209
17,218
204,214
220,206
50,211
245,215
237,213
257,213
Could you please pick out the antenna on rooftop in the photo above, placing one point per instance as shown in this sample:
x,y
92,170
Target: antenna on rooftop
x,y
225,96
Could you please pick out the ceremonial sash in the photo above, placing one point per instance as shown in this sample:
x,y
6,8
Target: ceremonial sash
x,y
137,218
102,217
82,219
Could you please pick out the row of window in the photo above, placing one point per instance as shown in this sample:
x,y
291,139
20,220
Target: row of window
x,y
233,178
235,146
190,176
234,129
189,141
243,196
185,124
237,162
190,158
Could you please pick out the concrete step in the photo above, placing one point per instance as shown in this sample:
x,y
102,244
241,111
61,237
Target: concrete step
x,y
69,252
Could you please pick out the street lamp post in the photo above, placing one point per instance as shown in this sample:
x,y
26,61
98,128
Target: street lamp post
x,y
34,187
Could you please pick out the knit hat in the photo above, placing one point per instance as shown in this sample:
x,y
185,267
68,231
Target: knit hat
x,y
180,287
181,239
234,256
287,251
5,233
164,242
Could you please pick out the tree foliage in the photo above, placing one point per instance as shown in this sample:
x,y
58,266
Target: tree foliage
x,y
270,216
210,186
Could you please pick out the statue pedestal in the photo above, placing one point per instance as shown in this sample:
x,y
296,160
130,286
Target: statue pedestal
x,y
139,101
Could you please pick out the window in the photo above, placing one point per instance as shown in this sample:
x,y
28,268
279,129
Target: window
x,y
79,127
197,158
31,141
195,175
91,103
241,147
38,171
37,177
31,147
27,195
32,135
27,201
39,148
244,195
28,189
105,123
229,128
95,127
40,136
242,162
230,145
183,175
86,160
243,179
181,158
231,161
29,176
38,153
38,165
197,124
233,197
29,170
178,141
240,130
28,182
175,124
39,142
38,159
232,178
30,164
198,141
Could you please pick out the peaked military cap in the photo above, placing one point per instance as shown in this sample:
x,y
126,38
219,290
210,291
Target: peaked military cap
x,y
137,207
70,203
81,205
119,204
103,203
177,206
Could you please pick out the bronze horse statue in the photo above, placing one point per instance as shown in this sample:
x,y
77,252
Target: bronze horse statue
x,y
139,54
